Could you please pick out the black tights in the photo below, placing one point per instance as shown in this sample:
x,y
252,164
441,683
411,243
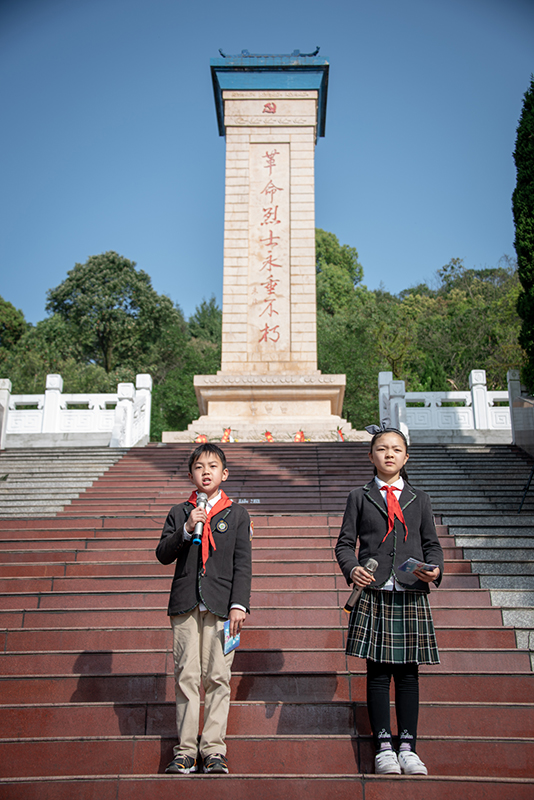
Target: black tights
x,y
406,677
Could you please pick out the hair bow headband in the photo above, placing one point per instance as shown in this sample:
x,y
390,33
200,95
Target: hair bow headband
x,y
384,426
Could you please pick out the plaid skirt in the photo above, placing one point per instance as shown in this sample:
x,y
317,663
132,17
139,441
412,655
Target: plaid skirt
x,y
393,627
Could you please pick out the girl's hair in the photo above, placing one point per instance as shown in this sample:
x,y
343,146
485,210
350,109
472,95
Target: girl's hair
x,y
376,437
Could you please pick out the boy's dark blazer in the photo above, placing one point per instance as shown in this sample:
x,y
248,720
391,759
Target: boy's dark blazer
x,y
228,569
366,520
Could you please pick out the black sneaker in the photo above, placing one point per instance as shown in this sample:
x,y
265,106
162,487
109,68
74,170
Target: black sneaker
x,y
215,764
182,765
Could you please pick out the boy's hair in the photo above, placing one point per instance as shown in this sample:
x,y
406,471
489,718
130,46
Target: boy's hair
x,y
211,449
376,437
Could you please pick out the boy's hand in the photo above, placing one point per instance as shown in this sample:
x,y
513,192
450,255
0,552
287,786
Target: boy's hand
x,y
426,575
196,515
237,618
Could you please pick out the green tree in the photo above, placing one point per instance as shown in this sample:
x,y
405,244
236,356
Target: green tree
x,y
338,272
523,211
12,325
206,322
114,314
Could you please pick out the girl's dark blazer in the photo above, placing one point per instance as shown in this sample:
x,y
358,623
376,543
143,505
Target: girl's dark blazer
x,y
366,520
228,569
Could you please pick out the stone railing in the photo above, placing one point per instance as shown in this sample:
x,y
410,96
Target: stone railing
x,y
118,419
475,410
522,408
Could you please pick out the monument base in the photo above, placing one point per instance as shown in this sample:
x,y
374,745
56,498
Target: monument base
x,y
281,404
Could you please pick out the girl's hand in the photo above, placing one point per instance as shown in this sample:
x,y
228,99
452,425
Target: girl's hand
x,y
427,576
360,577
196,515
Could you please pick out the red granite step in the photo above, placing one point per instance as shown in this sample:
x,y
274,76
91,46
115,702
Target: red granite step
x,y
256,718
253,636
273,617
148,755
251,660
233,787
115,598
280,686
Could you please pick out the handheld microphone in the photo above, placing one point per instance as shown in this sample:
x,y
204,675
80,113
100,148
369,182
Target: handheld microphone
x,y
202,499
370,567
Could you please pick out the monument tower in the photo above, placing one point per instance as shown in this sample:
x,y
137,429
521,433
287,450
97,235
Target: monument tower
x,y
271,109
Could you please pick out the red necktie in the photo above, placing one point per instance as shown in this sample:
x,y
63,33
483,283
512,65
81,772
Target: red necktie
x,y
207,536
394,510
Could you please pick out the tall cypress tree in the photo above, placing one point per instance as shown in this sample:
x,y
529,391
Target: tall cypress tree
x,y
523,210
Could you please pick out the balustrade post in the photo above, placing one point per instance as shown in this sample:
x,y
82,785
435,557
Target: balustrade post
x,y
143,385
397,394
5,394
52,401
121,436
479,395
514,393
384,379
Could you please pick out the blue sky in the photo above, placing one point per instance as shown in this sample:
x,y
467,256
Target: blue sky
x,y
109,138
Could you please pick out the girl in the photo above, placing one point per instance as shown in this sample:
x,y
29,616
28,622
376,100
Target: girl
x,y
391,625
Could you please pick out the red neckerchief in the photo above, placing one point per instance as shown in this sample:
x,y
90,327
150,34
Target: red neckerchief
x,y
394,510
207,536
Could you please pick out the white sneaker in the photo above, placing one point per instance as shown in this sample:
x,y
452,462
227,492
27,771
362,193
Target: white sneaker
x,y
387,763
411,764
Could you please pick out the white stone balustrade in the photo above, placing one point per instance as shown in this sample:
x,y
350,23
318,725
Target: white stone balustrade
x,y
477,409
117,419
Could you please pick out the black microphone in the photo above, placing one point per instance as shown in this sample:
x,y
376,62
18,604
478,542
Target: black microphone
x,y
202,499
370,567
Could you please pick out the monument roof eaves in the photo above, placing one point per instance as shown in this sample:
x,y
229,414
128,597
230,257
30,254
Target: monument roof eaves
x,y
270,73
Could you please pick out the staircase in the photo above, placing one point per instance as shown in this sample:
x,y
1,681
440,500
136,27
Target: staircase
x,y
87,674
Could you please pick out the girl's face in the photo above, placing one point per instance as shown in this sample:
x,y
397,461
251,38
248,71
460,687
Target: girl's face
x,y
389,456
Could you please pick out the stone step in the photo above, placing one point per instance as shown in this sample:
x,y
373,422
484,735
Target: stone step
x,y
256,718
116,617
249,660
127,583
78,639
320,598
263,787
280,686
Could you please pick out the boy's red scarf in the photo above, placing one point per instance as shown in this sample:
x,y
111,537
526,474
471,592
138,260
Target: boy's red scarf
x,y
394,510
207,536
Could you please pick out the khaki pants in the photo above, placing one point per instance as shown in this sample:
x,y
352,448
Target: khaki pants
x,y
198,656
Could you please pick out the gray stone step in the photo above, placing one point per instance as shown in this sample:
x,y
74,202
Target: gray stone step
x,y
480,542
519,566
40,482
507,581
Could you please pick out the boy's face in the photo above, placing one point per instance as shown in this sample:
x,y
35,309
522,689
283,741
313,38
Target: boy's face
x,y
207,474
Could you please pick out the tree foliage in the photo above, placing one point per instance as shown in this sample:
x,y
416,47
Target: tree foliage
x,y
114,314
523,211
338,272
429,337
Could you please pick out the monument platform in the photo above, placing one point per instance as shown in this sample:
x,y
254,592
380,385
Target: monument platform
x,y
251,404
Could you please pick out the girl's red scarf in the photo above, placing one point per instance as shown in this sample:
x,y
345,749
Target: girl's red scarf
x,y
394,510
207,536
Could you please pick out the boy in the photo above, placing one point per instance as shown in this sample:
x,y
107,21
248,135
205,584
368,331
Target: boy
x,y
211,583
